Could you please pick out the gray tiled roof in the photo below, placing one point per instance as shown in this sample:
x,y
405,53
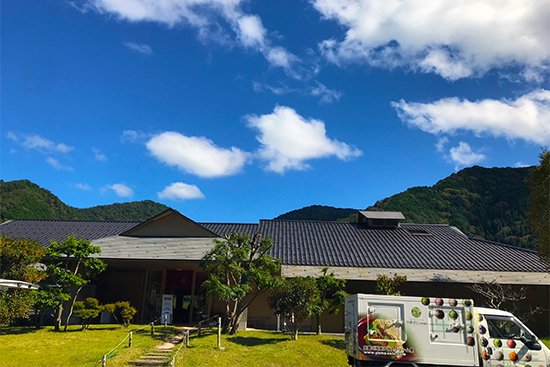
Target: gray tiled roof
x,y
150,248
45,231
223,229
348,244
314,243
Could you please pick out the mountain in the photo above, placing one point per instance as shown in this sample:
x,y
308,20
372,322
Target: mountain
x,y
24,199
318,212
485,202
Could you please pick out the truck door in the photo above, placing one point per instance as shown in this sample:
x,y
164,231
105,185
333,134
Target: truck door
x,y
505,341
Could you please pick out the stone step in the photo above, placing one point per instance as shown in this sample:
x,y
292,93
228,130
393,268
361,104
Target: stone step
x,y
144,362
162,358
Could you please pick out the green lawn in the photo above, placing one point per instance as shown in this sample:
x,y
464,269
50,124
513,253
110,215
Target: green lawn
x,y
264,349
32,347
45,348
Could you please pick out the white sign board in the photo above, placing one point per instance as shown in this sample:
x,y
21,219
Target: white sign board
x,y
167,307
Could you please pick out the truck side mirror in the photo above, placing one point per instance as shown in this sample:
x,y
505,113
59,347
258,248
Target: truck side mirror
x,y
534,345
531,343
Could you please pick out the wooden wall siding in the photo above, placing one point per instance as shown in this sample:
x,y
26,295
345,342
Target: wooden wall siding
x,y
422,275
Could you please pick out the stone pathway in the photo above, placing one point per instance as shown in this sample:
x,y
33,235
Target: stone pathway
x,y
161,355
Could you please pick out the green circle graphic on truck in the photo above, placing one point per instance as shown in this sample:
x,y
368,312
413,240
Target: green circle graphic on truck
x,y
416,312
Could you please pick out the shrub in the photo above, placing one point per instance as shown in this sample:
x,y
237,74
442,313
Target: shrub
x,y
126,312
122,311
87,310
389,286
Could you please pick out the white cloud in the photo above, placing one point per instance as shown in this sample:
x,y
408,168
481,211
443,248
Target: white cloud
x,y
12,136
441,142
133,136
288,140
99,155
455,39
180,191
521,165
319,90
40,143
213,19
56,164
196,155
463,155
325,94
121,190
251,31
526,117
277,90
83,186
142,48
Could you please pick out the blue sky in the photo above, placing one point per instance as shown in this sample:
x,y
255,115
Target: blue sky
x,y
236,110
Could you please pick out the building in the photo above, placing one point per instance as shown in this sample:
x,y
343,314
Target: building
x,y
162,256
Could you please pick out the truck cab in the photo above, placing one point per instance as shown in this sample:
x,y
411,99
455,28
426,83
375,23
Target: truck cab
x,y
506,341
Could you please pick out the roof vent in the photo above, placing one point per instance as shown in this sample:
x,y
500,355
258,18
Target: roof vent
x,y
372,219
418,232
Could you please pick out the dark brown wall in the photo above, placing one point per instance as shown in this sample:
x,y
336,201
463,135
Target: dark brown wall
x,y
121,285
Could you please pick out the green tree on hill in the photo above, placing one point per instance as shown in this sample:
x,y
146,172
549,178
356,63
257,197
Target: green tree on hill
x,y
539,204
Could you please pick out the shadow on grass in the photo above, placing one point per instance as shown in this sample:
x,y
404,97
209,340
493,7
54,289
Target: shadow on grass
x,y
160,333
252,341
16,330
335,343
91,329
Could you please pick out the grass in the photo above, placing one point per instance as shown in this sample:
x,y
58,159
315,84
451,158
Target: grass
x,y
264,349
45,348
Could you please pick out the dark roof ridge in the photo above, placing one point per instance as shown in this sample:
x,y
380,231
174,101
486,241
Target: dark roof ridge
x,y
427,224
71,220
502,244
304,220
229,223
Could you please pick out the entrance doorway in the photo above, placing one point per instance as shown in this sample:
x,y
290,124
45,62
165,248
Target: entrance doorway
x,y
180,284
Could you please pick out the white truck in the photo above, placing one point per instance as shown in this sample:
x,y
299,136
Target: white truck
x,y
426,331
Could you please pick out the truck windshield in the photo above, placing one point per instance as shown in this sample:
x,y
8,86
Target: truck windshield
x,y
505,328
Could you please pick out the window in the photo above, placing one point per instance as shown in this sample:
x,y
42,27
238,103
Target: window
x,y
505,328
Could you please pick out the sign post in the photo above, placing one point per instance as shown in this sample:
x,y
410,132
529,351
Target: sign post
x,y
167,307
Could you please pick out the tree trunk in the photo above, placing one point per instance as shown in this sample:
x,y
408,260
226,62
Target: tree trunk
x,y
295,332
71,308
59,317
319,324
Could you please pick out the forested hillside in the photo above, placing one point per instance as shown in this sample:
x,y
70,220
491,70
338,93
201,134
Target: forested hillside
x,y
485,202
23,199
318,212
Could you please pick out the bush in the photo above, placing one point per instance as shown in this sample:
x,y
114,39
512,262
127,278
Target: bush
x,y
87,310
122,311
389,286
126,312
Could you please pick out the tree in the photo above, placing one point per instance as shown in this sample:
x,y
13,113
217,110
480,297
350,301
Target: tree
x,y
122,310
17,262
331,295
71,268
389,286
538,213
505,297
87,310
240,269
297,298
